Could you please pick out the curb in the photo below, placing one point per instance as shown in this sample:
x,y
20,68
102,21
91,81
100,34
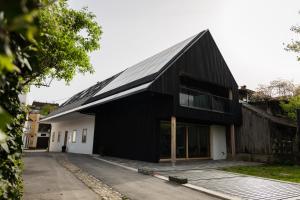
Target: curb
x,y
150,172
116,164
211,192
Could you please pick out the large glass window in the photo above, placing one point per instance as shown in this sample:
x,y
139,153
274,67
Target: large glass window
x,y
192,140
165,140
196,99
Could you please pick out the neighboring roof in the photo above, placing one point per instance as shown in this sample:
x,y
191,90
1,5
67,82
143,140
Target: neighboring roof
x,y
264,114
41,104
132,80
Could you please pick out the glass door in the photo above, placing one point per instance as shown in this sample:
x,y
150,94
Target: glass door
x,y
198,137
181,141
165,140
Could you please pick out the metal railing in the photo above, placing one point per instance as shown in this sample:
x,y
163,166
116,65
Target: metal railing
x,y
206,101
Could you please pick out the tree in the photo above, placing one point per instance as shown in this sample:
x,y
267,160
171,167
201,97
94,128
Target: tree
x,y
294,46
283,89
291,107
40,40
46,109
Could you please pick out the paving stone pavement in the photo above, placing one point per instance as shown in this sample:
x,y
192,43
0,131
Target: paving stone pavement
x,y
205,174
245,187
180,165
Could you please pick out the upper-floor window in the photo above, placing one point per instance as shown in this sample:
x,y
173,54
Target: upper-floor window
x,y
84,135
196,99
74,136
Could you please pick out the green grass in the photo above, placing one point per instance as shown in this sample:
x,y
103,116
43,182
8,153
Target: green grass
x,y
280,172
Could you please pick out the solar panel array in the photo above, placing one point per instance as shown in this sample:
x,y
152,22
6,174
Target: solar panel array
x,y
147,67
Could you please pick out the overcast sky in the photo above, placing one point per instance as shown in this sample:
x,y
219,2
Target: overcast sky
x,y
249,33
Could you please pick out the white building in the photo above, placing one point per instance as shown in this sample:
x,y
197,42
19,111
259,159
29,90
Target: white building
x,y
76,135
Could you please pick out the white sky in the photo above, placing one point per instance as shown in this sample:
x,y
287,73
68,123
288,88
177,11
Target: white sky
x,y
249,33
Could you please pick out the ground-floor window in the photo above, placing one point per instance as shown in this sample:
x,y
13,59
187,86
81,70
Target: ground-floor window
x,y
192,140
84,135
74,136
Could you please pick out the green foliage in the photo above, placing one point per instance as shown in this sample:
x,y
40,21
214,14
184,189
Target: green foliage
x,y
39,40
46,109
65,39
291,107
280,172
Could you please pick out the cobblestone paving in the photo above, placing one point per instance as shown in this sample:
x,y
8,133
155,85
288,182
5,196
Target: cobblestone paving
x,y
104,191
243,186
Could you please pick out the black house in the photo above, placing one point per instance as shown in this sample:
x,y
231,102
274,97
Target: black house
x,y
181,103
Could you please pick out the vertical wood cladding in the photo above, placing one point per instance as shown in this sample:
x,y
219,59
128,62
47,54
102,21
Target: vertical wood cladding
x,y
253,136
259,135
128,128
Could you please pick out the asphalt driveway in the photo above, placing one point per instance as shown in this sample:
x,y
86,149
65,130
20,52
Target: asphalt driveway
x,y
45,179
132,184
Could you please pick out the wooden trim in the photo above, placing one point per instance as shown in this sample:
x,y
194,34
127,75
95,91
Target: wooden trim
x,y
186,142
232,139
173,139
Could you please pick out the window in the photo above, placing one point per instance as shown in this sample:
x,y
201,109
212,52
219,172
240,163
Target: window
x,y
58,137
84,135
74,136
53,136
196,99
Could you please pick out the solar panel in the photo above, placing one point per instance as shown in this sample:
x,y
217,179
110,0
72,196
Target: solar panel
x,y
147,67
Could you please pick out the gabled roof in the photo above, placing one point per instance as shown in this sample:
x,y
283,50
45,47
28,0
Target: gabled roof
x,y
130,81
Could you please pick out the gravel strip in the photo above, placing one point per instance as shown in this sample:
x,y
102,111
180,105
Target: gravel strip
x,y
104,191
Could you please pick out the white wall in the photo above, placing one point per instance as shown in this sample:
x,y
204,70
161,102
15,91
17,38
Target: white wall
x,y
218,142
76,123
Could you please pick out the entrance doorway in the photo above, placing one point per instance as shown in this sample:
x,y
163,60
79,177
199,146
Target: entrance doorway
x,y
66,138
192,141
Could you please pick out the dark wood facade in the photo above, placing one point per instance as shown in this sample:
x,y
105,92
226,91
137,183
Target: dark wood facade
x,y
129,127
265,138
